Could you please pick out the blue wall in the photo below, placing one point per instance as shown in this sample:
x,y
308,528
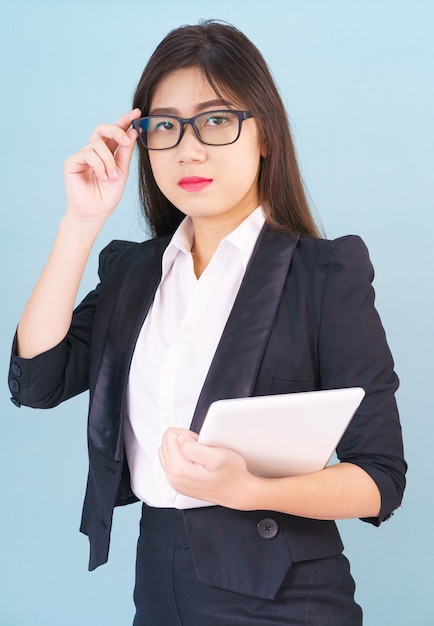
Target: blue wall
x,y
357,78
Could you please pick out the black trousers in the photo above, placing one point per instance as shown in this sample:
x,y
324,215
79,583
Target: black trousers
x,y
167,592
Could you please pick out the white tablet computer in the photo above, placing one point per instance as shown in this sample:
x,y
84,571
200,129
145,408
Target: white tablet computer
x,y
279,435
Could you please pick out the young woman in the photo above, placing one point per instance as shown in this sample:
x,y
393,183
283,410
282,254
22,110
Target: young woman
x,y
235,295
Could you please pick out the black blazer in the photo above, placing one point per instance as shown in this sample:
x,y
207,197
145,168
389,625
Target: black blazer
x,y
304,319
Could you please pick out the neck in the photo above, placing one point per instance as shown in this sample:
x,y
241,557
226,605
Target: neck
x,y
207,237
202,251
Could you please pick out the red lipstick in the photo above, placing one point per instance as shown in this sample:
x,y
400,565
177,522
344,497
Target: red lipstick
x,y
194,183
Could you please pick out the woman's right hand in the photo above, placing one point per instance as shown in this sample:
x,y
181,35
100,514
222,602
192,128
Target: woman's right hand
x,y
95,176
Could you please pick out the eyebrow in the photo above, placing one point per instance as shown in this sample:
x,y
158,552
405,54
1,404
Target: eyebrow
x,y
201,106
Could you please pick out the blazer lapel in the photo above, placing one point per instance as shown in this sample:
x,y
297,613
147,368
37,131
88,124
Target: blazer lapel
x,y
235,365
135,282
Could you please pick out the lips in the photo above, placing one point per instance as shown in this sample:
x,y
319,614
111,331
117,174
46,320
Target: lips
x,y
194,183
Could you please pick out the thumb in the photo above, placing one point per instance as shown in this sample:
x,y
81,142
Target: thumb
x,y
197,452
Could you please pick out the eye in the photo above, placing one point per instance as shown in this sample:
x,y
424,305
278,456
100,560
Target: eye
x,y
162,125
217,119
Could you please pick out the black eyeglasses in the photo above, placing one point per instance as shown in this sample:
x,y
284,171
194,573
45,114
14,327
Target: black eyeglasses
x,y
213,128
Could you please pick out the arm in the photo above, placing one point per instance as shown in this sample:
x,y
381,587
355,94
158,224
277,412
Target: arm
x,y
219,475
352,350
95,178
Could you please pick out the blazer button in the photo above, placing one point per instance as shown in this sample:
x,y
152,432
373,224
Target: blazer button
x,y
16,369
16,402
14,386
267,528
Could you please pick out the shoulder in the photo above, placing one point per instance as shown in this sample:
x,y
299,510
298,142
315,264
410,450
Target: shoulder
x,y
119,254
327,248
316,255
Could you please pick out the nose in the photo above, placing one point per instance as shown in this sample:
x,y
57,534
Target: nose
x,y
190,148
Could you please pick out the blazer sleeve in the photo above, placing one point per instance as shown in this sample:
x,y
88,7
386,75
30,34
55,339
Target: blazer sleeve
x,y
51,377
353,351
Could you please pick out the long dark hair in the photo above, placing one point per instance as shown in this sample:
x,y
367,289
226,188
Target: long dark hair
x,y
236,70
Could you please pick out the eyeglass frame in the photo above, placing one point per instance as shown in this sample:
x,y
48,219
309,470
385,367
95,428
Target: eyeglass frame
x,y
185,121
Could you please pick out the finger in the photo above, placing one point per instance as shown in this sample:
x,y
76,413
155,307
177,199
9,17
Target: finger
x,y
170,454
83,161
169,446
125,121
115,134
106,156
176,430
173,432
112,135
208,456
162,458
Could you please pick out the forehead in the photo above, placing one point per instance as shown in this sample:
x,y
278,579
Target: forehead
x,y
186,89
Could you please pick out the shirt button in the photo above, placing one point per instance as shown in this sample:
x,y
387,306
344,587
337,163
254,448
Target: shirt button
x,y
187,329
159,473
167,420
171,370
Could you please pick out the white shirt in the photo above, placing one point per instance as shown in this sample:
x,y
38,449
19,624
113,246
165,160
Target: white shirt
x,y
176,346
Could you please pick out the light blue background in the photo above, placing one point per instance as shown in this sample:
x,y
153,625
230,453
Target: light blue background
x,y
357,78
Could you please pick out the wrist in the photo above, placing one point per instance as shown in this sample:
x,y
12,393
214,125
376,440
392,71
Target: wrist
x,y
254,494
86,229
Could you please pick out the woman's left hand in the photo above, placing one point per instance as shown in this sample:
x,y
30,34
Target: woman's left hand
x,y
210,473
221,476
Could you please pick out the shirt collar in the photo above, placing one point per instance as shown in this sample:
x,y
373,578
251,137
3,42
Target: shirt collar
x,y
181,241
245,235
243,238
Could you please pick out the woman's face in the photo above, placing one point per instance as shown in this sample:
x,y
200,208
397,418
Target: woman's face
x,y
226,187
